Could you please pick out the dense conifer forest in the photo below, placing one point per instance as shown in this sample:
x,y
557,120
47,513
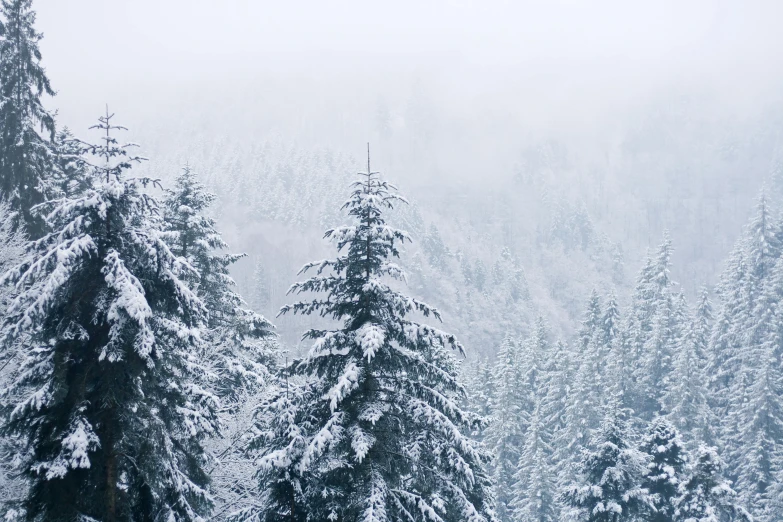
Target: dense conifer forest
x,y
532,354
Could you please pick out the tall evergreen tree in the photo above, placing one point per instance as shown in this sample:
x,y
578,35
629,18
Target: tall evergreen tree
x,y
520,380
609,487
726,339
534,488
237,341
742,284
610,324
706,496
756,405
555,396
533,358
654,369
762,244
25,156
703,324
621,386
584,409
282,439
505,433
480,386
686,399
388,439
104,401
648,330
592,321
666,468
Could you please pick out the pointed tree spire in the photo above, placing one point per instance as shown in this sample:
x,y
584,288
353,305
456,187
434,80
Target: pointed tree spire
x,y
387,436
609,486
105,400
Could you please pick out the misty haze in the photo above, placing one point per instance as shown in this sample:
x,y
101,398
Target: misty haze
x,y
376,262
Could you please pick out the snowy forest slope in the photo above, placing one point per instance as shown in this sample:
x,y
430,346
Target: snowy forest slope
x,y
504,233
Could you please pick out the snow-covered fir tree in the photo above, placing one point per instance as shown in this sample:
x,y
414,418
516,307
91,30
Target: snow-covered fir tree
x,y
744,356
584,409
686,399
238,341
238,350
555,395
480,385
762,244
620,367
610,324
70,175
534,492
281,438
533,354
743,281
652,292
661,338
592,321
653,369
706,496
755,420
726,338
478,379
505,432
609,488
25,155
104,402
388,438
666,468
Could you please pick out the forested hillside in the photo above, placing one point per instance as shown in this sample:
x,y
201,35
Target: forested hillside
x,y
553,222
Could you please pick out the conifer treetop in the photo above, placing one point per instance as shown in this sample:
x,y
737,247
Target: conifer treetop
x,y
104,399
356,287
388,438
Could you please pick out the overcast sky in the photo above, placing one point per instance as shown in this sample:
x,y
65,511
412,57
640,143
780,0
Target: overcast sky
x,y
561,63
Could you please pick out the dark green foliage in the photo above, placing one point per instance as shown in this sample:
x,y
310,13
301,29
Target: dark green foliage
x,y
379,435
104,401
25,156
609,489
666,468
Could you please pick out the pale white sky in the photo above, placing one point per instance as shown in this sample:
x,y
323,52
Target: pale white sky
x,y
550,57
